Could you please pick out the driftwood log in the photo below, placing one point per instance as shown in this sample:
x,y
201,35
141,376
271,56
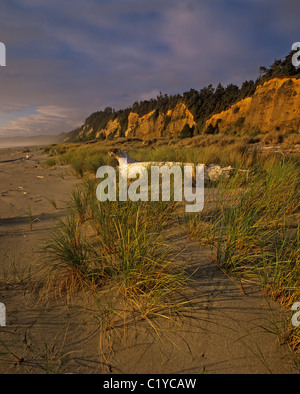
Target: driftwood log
x,y
212,172
27,157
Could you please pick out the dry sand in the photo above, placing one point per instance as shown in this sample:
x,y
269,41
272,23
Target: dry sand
x,y
225,332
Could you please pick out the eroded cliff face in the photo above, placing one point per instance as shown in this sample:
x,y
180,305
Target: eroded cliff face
x,y
112,130
275,105
155,124
151,125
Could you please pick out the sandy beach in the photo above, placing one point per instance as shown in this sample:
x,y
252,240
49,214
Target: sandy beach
x,y
225,330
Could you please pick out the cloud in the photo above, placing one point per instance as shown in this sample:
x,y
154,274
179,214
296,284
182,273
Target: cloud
x,y
44,121
209,44
68,59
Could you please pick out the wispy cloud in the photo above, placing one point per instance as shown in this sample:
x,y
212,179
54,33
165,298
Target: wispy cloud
x,y
43,122
78,57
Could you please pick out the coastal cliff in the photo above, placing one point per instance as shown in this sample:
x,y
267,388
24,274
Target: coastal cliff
x,y
274,106
254,109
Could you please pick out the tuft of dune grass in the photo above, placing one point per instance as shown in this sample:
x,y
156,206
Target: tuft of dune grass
x,y
116,245
254,228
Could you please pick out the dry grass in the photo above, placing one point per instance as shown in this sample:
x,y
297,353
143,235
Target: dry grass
x,y
254,225
118,246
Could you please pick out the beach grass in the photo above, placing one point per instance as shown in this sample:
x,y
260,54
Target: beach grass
x,y
255,231
117,245
252,225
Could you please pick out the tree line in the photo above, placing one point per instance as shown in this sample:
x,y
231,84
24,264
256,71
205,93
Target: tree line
x,y
202,104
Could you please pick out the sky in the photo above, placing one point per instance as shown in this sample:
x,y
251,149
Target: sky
x,y
68,58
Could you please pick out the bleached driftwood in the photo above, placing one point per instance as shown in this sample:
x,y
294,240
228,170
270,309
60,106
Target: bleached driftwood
x,y
212,172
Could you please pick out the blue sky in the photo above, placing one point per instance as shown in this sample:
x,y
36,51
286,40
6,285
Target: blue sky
x,y
67,59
